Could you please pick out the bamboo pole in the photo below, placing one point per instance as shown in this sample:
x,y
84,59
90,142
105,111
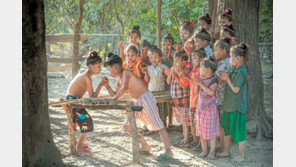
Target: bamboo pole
x,y
134,134
71,133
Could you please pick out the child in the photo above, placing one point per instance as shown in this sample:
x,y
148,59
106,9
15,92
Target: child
x,y
201,40
186,31
144,59
235,102
207,119
221,48
197,56
134,38
228,31
81,84
155,76
225,18
180,93
205,21
167,46
127,81
132,59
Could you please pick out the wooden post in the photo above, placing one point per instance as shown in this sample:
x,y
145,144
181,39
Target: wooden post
x,y
159,3
71,132
134,134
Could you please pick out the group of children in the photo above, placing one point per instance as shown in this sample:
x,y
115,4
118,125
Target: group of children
x,y
206,77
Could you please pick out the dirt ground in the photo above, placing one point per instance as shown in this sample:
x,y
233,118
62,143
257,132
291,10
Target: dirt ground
x,y
111,146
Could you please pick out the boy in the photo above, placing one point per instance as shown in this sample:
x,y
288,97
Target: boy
x,y
137,88
81,84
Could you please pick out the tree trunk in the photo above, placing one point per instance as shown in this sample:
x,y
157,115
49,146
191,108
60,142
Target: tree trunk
x,y
246,23
213,14
77,26
158,40
38,148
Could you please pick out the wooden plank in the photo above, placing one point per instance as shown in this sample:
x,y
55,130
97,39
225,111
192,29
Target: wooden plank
x,y
134,134
71,133
59,60
63,38
67,67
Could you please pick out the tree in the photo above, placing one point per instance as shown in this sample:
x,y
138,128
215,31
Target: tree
x,y
246,24
75,64
159,2
38,148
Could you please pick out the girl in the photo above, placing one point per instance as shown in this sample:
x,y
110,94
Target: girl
x,y
221,48
205,21
201,40
207,119
197,56
132,59
134,38
228,31
144,59
224,19
167,47
186,31
155,76
235,101
180,93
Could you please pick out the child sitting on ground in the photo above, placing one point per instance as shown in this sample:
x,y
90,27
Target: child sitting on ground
x,y
180,93
221,48
207,118
197,56
132,59
155,76
81,84
127,81
201,40
235,102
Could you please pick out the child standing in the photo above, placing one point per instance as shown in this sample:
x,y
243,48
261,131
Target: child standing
x,y
227,31
81,84
168,50
144,59
134,38
132,59
186,31
155,76
201,40
207,119
205,21
197,56
235,102
221,48
127,81
180,93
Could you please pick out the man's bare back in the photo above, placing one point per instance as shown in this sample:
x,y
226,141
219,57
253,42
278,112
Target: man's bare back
x,y
136,86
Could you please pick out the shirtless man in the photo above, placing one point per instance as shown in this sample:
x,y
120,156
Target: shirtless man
x,y
81,84
127,81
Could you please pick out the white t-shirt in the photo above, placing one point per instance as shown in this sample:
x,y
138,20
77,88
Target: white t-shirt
x,y
156,83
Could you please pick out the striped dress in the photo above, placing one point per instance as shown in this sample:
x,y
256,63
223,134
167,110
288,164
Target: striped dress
x,y
149,116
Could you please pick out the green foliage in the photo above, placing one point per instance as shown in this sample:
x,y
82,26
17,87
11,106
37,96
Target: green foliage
x,y
266,21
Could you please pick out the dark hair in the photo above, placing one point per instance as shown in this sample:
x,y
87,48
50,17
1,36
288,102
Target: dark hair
x,y
203,34
241,50
209,62
93,58
132,47
229,28
205,17
182,54
168,37
186,25
178,43
112,59
145,44
136,29
227,14
224,43
200,52
156,50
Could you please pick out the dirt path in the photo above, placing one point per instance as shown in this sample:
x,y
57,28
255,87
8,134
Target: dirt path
x,y
111,146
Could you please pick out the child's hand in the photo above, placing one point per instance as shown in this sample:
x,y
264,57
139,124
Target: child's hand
x,y
167,71
144,70
121,45
188,47
197,79
104,81
224,75
175,75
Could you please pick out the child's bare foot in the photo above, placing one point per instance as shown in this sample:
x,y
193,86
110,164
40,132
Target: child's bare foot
x,y
146,148
211,156
203,154
238,158
223,154
219,149
183,143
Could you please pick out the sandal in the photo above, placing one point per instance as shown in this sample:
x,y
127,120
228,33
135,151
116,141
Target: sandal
x,y
144,152
163,157
84,150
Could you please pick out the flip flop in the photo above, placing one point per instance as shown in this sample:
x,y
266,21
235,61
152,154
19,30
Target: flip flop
x,y
85,145
144,152
84,150
163,157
